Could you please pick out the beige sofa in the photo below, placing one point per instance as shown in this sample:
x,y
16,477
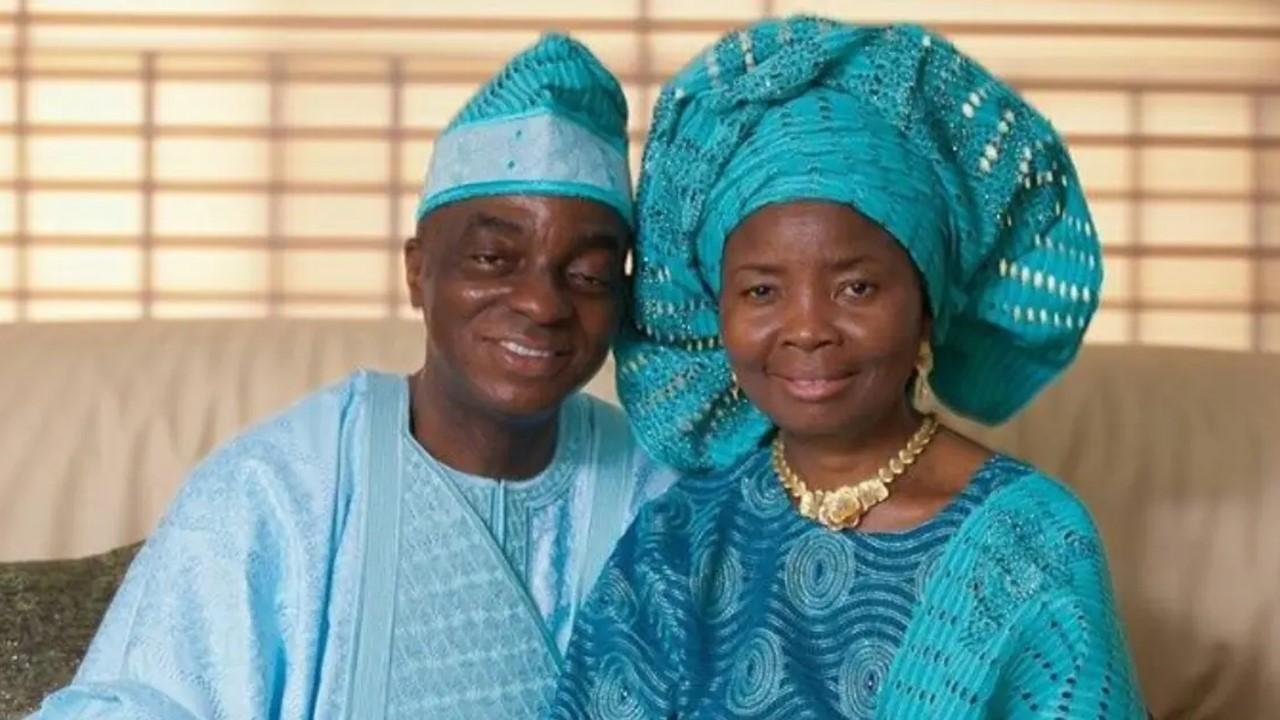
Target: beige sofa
x,y
1177,452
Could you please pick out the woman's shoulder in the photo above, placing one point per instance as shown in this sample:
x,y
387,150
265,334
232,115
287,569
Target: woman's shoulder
x,y
1031,538
1024,588
1024,494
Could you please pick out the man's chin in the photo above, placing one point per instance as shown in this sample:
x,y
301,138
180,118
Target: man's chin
x,y
525,400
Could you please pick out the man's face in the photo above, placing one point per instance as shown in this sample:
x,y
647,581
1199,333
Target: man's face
x,y
521,296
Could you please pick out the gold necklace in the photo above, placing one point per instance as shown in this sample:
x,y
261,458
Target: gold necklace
x,y
843,508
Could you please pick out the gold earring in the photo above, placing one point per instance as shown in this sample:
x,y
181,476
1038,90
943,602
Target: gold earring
x,y
735,389
924,366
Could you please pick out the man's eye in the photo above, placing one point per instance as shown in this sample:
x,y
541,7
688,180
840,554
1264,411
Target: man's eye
x,y
589,280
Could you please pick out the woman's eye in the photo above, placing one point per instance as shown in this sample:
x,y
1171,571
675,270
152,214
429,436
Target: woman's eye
x,y
858,289
759,292
486,259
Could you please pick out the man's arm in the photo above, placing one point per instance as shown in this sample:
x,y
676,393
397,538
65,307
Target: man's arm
x,y
198,627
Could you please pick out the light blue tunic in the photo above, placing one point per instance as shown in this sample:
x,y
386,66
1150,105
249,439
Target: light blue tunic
x,y
323,565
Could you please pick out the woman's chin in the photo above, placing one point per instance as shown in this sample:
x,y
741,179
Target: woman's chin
x,y
810,422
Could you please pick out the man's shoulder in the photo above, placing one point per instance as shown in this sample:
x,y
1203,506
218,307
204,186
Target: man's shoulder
x,y
293,459
306,430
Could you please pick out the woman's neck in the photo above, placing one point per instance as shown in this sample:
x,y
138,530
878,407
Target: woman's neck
x,y
828,462
467,439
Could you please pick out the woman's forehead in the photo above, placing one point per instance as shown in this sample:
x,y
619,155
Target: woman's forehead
x,y
805,231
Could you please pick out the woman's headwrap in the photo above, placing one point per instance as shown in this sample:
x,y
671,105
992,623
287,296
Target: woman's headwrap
x,y
897,123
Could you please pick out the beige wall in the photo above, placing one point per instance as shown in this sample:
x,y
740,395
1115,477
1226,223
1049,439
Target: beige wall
x,y
256,158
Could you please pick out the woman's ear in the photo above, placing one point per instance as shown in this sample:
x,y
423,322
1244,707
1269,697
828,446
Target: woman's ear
x,y
926,325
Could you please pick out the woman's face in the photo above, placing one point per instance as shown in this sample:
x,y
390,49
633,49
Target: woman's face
x,y
822,316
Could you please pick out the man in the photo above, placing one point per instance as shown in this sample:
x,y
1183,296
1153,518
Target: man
x,y
417,547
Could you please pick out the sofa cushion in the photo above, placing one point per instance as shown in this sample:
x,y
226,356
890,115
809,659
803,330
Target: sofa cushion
x,y
51,610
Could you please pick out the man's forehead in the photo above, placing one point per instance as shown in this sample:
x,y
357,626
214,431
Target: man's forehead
x,y
529,214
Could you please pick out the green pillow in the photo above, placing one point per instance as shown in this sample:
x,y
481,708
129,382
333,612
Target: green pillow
x,y
49,611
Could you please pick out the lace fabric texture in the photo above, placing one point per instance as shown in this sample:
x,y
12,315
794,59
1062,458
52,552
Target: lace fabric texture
x,y
721,601
244,602
551,122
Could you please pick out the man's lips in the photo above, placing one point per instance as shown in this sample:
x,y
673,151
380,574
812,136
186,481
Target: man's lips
x,y
531,359
528,349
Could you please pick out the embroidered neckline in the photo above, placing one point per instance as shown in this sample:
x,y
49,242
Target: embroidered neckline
x,y
550,482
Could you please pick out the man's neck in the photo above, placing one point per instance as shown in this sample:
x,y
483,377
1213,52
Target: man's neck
x,y
472,441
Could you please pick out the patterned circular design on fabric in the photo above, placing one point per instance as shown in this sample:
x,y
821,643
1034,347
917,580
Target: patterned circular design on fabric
x,y
819,571
716,582
616,694
924,571
756,674
762,493
613,597
862,671
671,514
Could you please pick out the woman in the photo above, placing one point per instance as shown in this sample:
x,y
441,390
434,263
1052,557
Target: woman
x,y
834,218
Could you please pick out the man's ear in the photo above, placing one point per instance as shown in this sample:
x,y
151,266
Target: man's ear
x,y
415,263
420,255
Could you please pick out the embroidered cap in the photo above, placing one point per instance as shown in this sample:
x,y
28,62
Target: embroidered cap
x,y
552,122
897,123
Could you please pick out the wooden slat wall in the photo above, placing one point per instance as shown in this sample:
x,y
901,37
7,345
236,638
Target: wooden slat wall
x,y
246,158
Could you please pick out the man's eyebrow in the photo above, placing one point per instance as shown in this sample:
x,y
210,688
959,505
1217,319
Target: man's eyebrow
x,y
602,239
492,223
761,268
